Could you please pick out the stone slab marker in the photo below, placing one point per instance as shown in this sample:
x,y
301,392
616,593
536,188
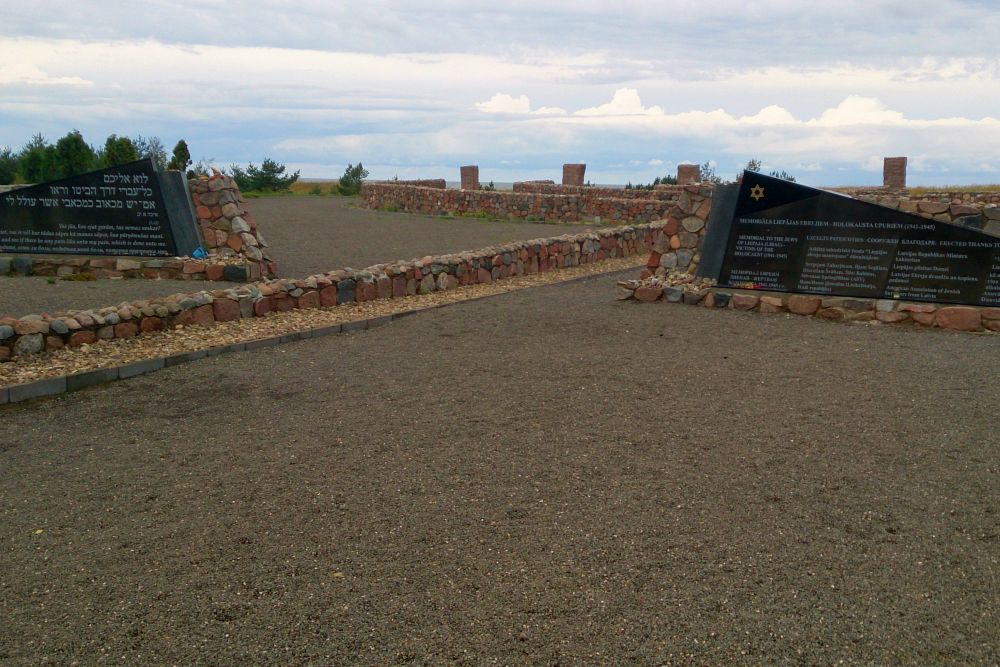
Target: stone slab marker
x,y
688,173
894,173
573,174
470,177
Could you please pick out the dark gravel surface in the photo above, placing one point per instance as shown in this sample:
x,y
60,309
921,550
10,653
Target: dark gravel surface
x,y
308,235
546,477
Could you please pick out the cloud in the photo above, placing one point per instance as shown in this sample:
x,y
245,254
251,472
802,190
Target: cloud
x,y
22,73
625,102
502,103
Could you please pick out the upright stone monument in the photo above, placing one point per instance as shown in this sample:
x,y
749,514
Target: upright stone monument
x,y
894,173
130,210
688,173
785,237
470,177
573,174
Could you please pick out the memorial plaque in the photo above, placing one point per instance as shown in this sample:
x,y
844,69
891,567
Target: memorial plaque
x,y
129,210
786,237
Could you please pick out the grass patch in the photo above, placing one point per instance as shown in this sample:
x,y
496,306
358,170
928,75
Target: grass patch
x,y
299,189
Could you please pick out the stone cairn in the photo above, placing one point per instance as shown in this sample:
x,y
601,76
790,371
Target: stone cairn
x,y
228,229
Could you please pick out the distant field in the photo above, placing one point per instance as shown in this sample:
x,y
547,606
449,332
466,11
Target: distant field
x,y
924,189
309,187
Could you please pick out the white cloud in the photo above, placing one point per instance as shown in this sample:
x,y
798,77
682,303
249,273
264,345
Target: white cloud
x,y
625,102
23,73
503,103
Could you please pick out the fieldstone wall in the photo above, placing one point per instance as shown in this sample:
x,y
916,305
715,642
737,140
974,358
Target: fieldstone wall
x,y
517,205
666,192
677,243
438,183
37,333
979,210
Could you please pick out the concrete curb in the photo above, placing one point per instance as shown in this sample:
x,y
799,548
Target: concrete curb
x,y
53,386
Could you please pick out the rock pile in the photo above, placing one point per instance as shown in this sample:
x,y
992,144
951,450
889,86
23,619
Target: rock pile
x,y
228,229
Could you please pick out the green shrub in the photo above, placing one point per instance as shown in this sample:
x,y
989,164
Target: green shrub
x,y
269,177
350,182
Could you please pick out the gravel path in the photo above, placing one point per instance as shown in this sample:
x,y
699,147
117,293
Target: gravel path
x,y
544,477
308,235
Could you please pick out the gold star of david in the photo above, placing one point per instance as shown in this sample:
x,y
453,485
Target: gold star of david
x,y
757,193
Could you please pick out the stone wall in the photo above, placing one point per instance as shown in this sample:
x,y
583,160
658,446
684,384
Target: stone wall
x,y
676,245
979,210
438,183
517,205
36,333
666,193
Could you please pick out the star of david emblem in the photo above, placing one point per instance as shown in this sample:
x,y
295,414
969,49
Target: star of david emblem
x,y
757,193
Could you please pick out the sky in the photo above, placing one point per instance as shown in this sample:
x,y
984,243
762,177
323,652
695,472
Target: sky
x,y
416,89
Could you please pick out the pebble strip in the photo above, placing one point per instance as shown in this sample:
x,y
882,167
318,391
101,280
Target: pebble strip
x,y
70,369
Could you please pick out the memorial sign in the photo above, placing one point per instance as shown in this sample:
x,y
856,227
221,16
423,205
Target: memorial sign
x,y
128,210
787,237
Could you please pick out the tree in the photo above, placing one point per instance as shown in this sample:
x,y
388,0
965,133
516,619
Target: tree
x,y
151,147
34,162
119,150
8,165
350,182
181,157
755,165
268,177
73,155
707,173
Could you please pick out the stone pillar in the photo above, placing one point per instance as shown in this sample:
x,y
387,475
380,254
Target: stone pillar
x,y
470,177
894,173
573,174
688,173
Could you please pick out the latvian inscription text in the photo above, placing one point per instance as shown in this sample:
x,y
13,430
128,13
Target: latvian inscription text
x,y
790,238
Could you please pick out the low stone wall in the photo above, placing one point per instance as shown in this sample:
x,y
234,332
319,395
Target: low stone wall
x,y
666,193
37,333
63,266
681,289
437,183
517,205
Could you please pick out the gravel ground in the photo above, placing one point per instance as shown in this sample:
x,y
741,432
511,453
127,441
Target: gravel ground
x,y
545,477
308,235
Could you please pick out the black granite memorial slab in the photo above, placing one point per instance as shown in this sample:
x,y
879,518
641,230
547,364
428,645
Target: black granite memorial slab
x,y
786,237
130,210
